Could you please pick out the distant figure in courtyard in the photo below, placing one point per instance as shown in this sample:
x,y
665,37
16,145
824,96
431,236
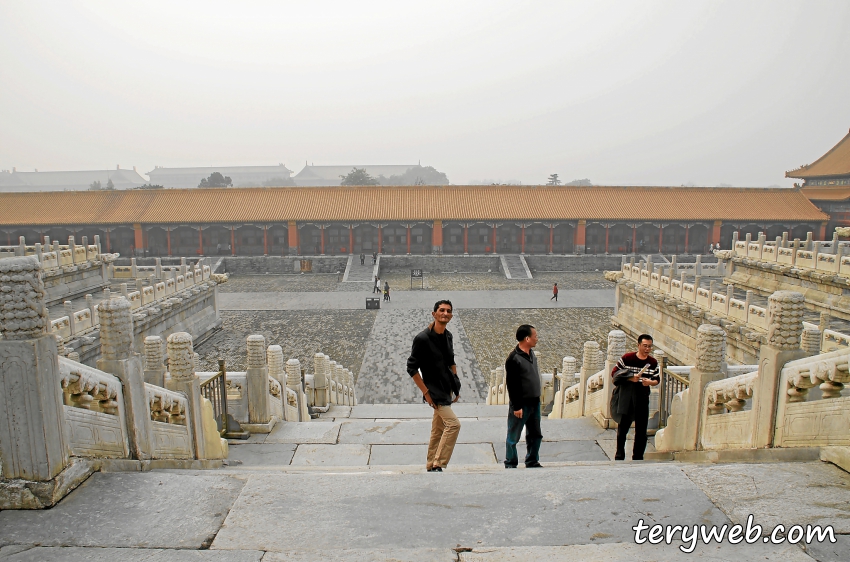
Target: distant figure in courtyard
x,y
376,285
362,258
554,293
386,291
522,377
432,367
374,258
634,373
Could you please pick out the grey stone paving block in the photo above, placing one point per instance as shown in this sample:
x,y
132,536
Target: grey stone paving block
x,y
499,508
364,555
829,552
331,455
81,554
264,454
558,451
390,432
480,410
610,446
394,411
383,377
337,412
626,552
303,432
580,429
463,454
253,439
812,493
148,509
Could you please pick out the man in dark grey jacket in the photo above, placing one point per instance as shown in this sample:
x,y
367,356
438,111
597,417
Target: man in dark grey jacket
x,y
523,381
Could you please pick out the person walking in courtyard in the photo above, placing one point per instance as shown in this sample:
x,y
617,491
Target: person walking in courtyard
x,y
378,285
554,293
432,367
362,258
387,291
522,377
634,373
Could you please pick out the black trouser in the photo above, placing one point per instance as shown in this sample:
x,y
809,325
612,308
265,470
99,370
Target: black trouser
x,y
639,415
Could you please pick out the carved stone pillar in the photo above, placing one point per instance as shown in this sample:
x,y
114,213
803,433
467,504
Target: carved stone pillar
x,y
616,349
784,330
711,354
257,381
293,382
119,359
32,440
181,367
810,341
588,368
154,365
320,379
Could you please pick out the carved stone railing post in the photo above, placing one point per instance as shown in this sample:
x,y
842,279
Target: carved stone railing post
x,y
616,349
274,356
293,383
711,354
257,380
183,379
32,439
588,368
154,365
810,341
119,359
320,379
784,333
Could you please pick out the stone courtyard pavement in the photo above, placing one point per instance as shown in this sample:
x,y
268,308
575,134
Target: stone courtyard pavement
x,y
352,487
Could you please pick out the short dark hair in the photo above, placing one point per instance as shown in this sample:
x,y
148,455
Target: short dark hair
x,y
523,332
644,337
438,303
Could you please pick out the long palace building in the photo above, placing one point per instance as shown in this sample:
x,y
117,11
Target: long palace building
x,y
413,219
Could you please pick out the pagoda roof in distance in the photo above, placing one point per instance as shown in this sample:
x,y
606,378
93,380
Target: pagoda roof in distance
x,y
836,162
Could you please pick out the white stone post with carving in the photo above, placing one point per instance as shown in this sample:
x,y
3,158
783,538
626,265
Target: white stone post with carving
x,y
616,349
257,381
784,330
293,382
320,379
118,358
588,368
154,364
711,354
32,438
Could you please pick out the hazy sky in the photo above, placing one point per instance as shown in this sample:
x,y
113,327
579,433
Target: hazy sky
x,y
660,93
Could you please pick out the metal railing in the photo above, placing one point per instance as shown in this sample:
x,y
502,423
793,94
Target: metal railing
x,y
671,384
214,389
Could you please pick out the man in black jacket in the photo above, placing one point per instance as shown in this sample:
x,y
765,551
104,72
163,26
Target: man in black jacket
x,y
433,356
523,380
633,375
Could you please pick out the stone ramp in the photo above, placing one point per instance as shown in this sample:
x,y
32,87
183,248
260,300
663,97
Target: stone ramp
x,y
383,374
514,266
356,273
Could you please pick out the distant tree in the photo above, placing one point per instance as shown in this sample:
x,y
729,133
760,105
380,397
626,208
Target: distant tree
x,y
110,185
279,182
553,180
95,186
358,176
417,175
581,183
149,186
216,180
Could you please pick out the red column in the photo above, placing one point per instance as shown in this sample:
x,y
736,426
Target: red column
x,y
522,240
109,246
715,232
350,239
660,236
634,238
292,235
323,239
408,239
167,238
579,239
380,239
551,237
494,239
465,239
266,240
822,231
437,236
200,241
607,231
687,235
139,242
232,241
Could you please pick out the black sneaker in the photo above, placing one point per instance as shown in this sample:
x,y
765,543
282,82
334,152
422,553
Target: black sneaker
x,y
533,465
435,469
510,466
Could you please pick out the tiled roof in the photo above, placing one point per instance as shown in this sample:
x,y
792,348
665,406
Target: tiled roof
x,y
332,173
264,205
825,193
78,179
836,162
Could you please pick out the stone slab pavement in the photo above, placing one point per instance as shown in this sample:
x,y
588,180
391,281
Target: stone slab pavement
x,y
98,554
464,454
383,373
415,300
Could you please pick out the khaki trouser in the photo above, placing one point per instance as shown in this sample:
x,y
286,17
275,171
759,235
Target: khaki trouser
x,y
444,431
